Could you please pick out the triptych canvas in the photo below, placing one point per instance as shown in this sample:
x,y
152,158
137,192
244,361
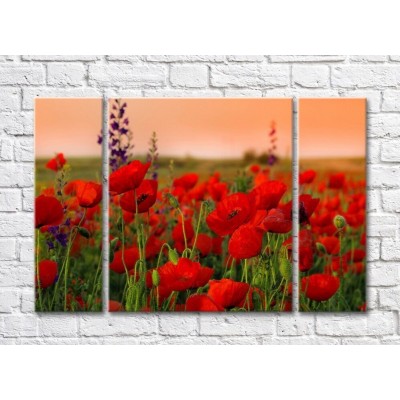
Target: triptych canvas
x,y
201,215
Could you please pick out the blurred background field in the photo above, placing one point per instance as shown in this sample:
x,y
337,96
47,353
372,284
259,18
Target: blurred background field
x,y
87,168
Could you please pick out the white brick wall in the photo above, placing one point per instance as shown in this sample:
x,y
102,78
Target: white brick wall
x,y
23,78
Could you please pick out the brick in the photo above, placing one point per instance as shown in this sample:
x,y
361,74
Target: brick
x,y
394,58
9,300
21,74
390,151
6,150
131,324
59,74
384,176
16,224
56,326
391,200
14,175
249,75
373,249
311,76
391,100
368,59
186,58
389,298
27,199
16,123
390,249
178,324
10,200
382,225
127,75
374,201
384,125
28,300
15,275
313,59
25,250
237,324
363,76
132,59
30,93
244,58
20,325
7,249
190,76
182,93
383,273
300,340
360,341
24,149
373,323
290,325
10,99
61,58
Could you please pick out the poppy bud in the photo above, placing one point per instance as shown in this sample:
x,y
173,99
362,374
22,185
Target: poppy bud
x,y
173,202
155,278
321,248
258,279
285,268
173,256
339,222
84,232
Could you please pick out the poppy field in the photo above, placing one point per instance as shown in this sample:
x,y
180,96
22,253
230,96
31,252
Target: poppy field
x,y
68,229
332,208
187,237
200,214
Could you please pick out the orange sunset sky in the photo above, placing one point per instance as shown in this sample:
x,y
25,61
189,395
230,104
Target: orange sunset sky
x,y
332,128
206,128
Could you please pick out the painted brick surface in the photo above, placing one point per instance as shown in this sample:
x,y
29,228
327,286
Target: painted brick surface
x,y
23,78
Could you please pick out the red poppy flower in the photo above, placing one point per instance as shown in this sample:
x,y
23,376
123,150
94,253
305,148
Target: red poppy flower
x,y
187,181
88,193
306,249
204,244
128,177
336,181
356,255
115,306
320,287
185,275
177,232
146,195
331,243
255,168
246,242
228,293
48,211
307,206
233,211
218,190
48,271
130,257
202,302
307,176
217,245
277,221
57,162
268,194
153,247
